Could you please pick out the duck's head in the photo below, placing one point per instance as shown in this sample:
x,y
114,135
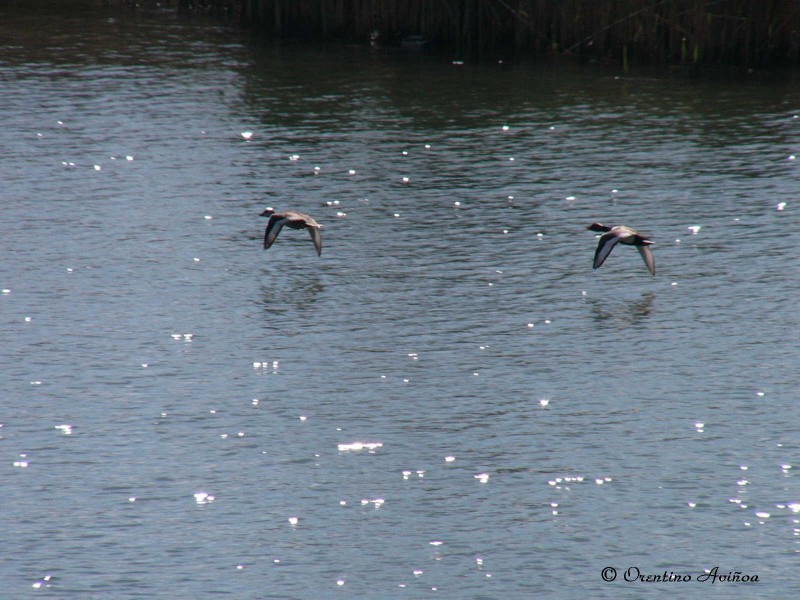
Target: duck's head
x,y
598,227
267,212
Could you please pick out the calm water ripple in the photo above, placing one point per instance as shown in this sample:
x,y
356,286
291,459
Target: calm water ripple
x,y
449,402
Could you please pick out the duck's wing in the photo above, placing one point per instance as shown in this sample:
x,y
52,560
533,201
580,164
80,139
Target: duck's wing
x,y
647,256
604,248
274,227
316,238
294,215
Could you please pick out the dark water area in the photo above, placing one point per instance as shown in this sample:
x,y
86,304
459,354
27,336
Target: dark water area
x,y
449,402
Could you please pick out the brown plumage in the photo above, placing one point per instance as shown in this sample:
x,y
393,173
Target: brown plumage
x,y
294,220
621,234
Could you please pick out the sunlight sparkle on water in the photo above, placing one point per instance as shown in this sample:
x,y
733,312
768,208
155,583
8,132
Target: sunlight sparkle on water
x,y
356,446
377,502
44,581
203,498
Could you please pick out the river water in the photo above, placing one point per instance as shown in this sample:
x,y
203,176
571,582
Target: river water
x,y
449,402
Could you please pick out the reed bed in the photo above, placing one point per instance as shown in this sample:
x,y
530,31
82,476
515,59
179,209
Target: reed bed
x,y
749,33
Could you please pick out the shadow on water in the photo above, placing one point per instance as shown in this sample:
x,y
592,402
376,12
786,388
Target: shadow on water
x,y
623,313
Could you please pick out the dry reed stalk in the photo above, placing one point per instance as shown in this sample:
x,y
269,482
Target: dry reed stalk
x,y
687,32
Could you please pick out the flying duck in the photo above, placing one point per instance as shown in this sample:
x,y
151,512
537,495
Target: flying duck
x,y
293,219
620,234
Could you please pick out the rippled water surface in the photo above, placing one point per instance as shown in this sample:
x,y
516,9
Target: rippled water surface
x,y
449,402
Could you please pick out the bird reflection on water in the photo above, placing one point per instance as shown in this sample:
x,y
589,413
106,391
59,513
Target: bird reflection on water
x,y
627,313
295,293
